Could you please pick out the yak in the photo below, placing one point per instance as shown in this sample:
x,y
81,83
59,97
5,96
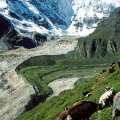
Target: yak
x,y
116,106
81,110
107,98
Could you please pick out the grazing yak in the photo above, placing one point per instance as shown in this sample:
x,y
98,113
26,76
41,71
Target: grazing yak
x,y
63,115
112,69
116,106
87,94
107,98
103,71
119,63
81,110
108,88
113,64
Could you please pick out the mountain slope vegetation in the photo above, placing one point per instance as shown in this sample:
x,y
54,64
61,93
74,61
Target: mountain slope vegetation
x,y
51,109
41,70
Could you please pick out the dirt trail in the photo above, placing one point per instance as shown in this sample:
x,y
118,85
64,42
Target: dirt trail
x,y
101,79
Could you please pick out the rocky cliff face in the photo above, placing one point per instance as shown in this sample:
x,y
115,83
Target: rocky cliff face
x,y
94,48
6,33
105,40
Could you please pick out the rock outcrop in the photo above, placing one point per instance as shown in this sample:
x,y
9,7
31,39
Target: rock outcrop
x,y
95,48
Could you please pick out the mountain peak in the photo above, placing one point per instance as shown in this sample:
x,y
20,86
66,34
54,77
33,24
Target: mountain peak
x,y
57,16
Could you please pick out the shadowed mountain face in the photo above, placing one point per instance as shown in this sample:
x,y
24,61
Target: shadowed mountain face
x,y
7,34
4,25
10,38
103,41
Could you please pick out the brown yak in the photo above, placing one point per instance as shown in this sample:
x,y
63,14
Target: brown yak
x,y
81,110
63,115
119,63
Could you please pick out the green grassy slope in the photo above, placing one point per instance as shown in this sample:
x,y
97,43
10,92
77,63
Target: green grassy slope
x,y
41,70
51,109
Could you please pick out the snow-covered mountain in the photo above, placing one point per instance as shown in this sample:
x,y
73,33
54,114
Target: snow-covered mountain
x,y
73,17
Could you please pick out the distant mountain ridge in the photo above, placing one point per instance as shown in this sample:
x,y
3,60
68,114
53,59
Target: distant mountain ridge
x,y
105,40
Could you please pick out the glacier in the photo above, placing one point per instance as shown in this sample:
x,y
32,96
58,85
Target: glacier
x,y
57,17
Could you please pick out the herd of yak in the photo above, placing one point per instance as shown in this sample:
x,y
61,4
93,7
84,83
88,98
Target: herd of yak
x,y
82,110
